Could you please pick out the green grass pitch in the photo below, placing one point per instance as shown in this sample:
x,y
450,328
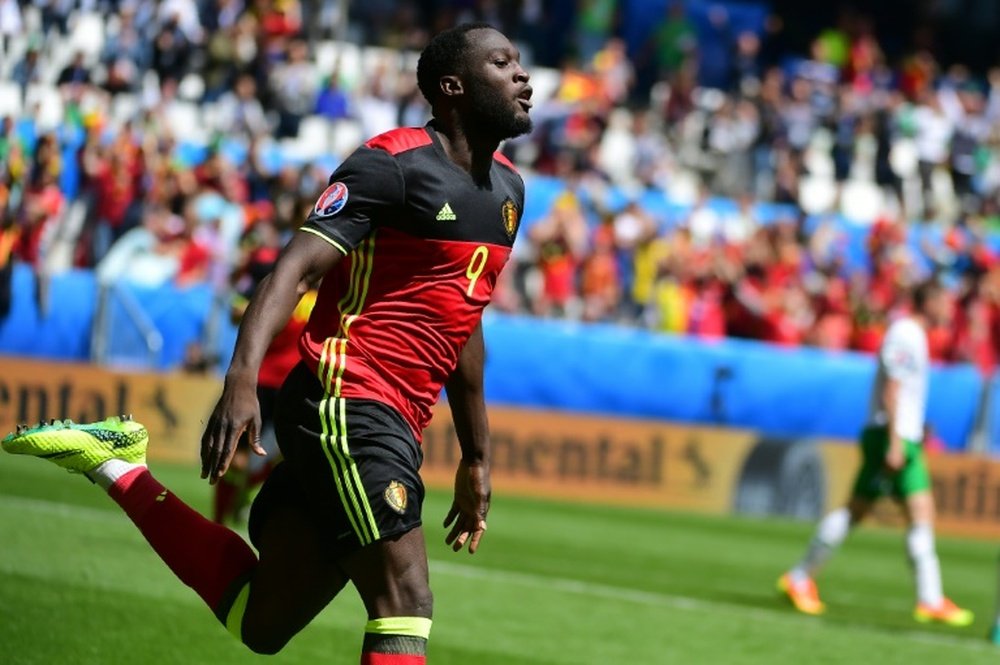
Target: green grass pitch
x,y
553,584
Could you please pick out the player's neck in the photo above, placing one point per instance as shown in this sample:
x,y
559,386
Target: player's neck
x,y
471,153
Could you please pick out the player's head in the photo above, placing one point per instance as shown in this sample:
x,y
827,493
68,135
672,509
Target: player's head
x,y
474,71
931,300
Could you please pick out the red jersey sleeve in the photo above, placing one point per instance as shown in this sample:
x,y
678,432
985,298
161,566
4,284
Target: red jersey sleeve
x,y
365,188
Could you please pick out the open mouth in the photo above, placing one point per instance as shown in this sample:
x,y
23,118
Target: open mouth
x,y
524,99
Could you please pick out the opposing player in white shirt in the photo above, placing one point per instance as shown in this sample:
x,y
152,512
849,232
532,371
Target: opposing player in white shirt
x,y
893,464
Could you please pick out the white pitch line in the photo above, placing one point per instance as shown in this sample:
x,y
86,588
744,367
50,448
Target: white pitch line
x,y
556,584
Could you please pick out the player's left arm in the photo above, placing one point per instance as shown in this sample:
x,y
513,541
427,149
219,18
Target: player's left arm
x,y
467,516
895,455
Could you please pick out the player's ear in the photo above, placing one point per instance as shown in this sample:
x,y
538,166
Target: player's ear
x,y
451,85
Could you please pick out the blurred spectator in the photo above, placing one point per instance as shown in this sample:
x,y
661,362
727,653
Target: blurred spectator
x,y
779,204
294,85
27,71
674,41
240,112
126,52
595,21
76,73
9,235
333,102
933,135
561,239
171,52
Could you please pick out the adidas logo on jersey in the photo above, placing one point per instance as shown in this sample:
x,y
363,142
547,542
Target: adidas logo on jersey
x,y
445,214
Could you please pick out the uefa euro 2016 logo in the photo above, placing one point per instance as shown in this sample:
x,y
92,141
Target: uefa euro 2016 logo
x,y
332,200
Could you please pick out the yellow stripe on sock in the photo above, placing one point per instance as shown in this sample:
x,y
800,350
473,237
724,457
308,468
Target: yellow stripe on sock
x,y
409,626
234,619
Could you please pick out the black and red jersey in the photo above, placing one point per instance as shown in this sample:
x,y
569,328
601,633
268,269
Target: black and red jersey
x,y
424,245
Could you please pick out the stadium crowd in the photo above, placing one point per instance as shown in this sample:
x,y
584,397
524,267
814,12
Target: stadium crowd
x,y
693,190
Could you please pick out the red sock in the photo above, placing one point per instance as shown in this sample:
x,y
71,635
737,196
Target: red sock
x,y
259,476
392,659
223,500
205,556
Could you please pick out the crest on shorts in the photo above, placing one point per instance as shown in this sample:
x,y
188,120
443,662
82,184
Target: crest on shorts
x,y
508,213
395,496
332,200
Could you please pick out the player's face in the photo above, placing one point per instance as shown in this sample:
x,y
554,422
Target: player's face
x,y
497,89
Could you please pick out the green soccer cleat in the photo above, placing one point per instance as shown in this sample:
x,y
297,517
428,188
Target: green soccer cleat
x,y
80,448
947,613
994,635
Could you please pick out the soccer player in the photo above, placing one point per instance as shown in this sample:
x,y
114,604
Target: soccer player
x,y
894,464
409,239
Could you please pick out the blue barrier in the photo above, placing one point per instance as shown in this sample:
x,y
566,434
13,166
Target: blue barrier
x,y
561,365
63,332
607,369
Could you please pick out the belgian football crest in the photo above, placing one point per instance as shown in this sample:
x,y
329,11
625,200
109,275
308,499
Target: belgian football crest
x,y
508,213
332,200
395,496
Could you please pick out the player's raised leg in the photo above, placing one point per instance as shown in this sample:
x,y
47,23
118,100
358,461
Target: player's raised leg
x,y
207,557
296,578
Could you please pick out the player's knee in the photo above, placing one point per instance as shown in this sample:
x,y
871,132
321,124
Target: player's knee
x,y
263,641
412,598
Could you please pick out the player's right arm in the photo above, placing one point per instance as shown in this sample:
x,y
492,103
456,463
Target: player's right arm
x,y
304,261
364,189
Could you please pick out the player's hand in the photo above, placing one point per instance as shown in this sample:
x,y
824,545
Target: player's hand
x,y
467,516
895,458
237,411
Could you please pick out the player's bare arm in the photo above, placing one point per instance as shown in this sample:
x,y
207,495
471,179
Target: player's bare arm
x,y
305,260
467,516
895,455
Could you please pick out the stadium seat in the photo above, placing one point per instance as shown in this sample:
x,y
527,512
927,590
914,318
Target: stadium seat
x,y
683,187
124,107
87,34
817,194
59,256
184,120
16,46
817,159
50,105
315,135
347,136
342,55
903,158
191,87
545,84
861,201
10,98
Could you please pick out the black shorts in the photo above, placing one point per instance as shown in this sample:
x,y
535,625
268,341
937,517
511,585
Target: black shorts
x,y
350,465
